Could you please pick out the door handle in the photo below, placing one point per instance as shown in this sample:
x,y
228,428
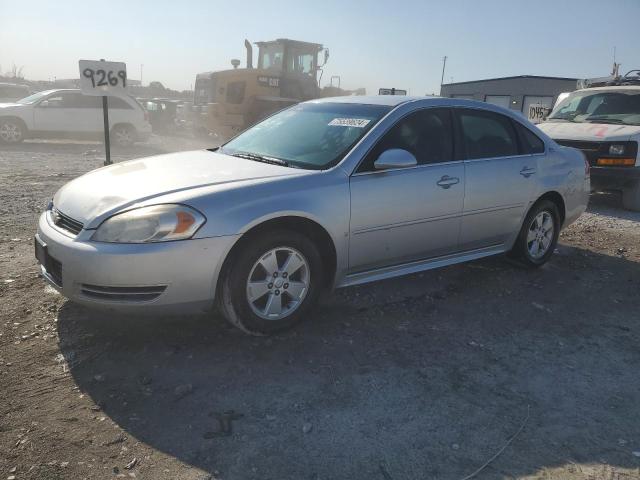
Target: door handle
x,y
446,181
527,172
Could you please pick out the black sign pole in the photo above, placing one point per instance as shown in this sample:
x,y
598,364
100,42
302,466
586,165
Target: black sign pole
x,y
105,116
107,143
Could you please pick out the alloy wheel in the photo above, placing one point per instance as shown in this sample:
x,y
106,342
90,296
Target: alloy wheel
x,y
123,137
540,235
278,283
10,132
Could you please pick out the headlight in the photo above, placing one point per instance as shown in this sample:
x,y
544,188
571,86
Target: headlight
x,y
616,149
159,223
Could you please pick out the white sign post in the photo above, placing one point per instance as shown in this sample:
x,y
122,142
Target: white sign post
x,y
99,79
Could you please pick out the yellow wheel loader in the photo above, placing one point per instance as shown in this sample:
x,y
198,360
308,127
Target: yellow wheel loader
x,y
287,72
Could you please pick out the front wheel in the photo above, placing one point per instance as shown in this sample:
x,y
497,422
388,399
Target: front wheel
x,y
272,282
539,234
12,131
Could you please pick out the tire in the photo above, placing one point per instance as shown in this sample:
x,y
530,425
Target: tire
x,y
538,238
631,197
12,131
251,294
123,135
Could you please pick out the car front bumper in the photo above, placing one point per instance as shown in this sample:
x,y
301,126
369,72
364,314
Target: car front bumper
x,y
175,277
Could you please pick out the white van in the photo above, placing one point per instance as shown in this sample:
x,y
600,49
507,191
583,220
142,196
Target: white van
x,y
604,122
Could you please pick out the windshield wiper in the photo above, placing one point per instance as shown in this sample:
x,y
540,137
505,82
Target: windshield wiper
x,y
260,158
597,119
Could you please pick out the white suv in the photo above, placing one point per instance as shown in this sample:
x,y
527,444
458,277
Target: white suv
x,y
70,114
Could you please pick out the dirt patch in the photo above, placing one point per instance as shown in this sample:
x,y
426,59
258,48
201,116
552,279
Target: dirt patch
x,y
425,376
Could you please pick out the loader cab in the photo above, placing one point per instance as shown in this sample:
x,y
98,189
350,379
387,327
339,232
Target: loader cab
x,y
290,57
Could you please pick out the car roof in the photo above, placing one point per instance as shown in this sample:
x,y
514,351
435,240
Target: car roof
x,y
389,100
396,100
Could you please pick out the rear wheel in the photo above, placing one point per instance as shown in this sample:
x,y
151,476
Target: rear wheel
x,y
12,131
272,283
539,234
631,197
123,135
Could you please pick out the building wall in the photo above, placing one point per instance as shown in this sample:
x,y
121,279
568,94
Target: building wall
x,y
517,88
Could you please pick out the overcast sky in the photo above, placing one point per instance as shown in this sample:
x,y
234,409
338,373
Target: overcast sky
x,y
373,43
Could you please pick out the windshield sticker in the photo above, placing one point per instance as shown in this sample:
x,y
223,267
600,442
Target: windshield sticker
x,y
349,122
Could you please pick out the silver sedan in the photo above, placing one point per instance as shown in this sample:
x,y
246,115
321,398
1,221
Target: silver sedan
x,y
325,194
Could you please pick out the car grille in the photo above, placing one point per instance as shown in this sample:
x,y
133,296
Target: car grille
x,y
65,222
592,150
122,294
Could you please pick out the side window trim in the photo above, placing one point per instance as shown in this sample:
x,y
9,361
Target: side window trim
x,y
454,146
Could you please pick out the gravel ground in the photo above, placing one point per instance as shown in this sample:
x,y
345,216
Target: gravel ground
x,y
422,377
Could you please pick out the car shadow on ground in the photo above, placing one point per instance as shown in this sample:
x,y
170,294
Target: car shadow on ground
x,y
425,376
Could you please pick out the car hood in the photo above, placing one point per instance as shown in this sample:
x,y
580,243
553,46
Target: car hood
x,y
110,189
589,131
10,105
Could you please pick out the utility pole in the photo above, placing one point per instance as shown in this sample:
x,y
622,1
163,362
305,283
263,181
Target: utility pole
x,y
141,65
444,64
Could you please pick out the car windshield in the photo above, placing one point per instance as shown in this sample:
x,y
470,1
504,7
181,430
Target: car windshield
x,y
610,106
33,98
311,135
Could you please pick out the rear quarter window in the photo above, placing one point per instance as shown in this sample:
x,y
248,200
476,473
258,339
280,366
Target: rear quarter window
x,y
530,143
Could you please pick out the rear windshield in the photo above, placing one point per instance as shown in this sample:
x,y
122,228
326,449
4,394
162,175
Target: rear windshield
x,y
310,135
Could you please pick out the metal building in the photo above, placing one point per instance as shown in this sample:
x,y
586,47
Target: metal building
x,y
517,93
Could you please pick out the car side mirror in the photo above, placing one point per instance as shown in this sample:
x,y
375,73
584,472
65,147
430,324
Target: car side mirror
x,y
44,103
395,158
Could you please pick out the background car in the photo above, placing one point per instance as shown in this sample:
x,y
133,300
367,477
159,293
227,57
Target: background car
x,y
328,193
67,113
161,112
10,92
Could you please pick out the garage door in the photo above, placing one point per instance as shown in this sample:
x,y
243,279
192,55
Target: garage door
x,y
500,100
534,107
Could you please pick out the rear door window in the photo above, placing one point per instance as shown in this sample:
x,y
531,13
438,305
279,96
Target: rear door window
x,y
487,134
